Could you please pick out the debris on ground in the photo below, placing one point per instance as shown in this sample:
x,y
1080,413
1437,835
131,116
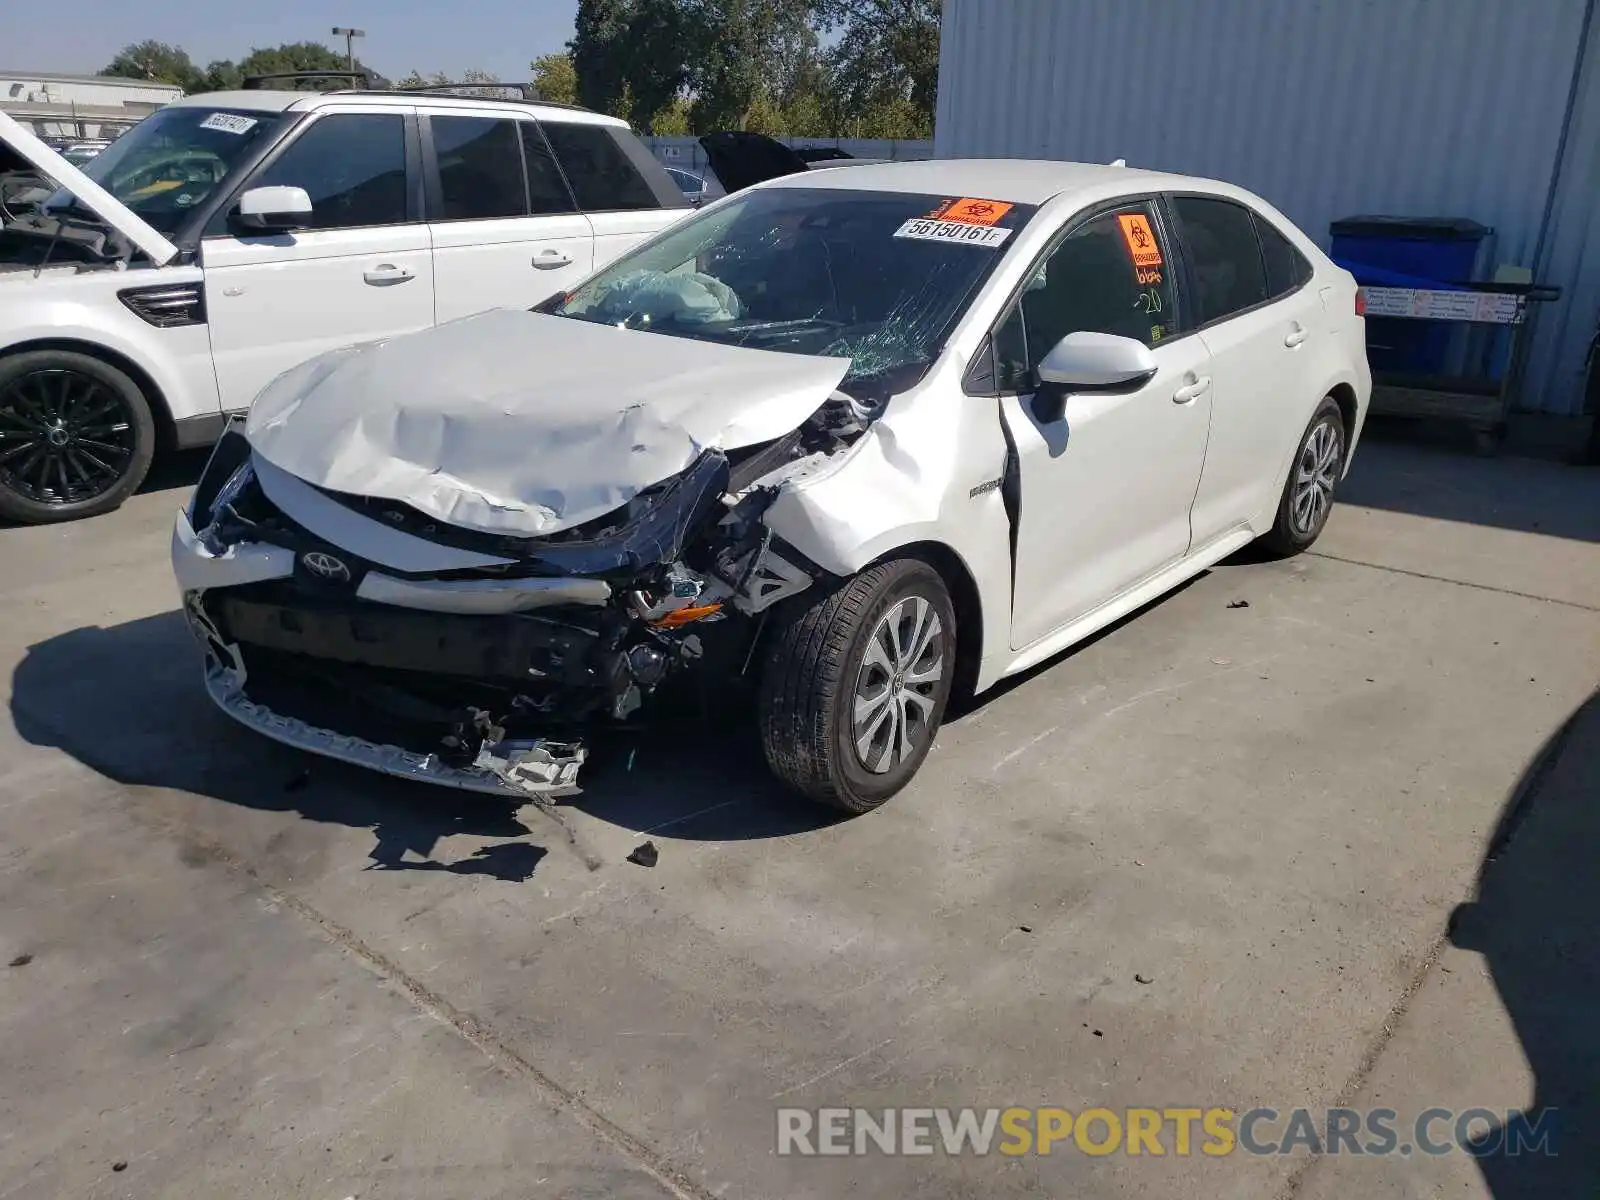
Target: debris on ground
x,y
1221,662
645,854
1025,928
1143,978
20,960
1238,604
119,1165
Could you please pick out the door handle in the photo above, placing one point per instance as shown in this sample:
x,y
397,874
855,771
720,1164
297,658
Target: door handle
x,y
387,273
1297,334
548,260
1190,392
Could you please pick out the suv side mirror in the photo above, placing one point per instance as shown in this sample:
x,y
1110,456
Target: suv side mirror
x,y
1090,362
274,209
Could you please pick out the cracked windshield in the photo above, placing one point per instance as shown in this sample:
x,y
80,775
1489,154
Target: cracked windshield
x,y
820,271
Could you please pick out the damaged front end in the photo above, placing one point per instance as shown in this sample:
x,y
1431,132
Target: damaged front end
x,y
475,660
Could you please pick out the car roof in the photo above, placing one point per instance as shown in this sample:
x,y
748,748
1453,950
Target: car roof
x,y
1011,180
264,100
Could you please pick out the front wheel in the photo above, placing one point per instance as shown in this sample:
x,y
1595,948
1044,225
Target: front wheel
x,y
855,684
76,436
1313,477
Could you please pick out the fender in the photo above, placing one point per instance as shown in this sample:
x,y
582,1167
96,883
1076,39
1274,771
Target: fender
x,y
177,360
922,473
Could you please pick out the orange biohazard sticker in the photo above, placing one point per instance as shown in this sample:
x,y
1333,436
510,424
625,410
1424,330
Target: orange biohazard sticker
x,y
971,212
1141,239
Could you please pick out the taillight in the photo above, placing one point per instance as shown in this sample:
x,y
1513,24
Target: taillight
x,y
1361,302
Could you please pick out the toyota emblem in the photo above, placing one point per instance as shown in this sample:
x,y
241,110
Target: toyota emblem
x,y
325,566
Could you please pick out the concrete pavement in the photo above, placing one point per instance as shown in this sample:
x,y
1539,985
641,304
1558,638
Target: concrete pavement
x,y
1267,812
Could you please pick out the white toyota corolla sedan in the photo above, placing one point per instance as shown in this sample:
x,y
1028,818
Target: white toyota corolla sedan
x,y
850,438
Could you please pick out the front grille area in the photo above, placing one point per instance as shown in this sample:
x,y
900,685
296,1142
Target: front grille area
x,y
514,650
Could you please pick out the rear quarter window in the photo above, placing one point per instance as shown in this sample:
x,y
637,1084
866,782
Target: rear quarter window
x,y
1287,268
605,173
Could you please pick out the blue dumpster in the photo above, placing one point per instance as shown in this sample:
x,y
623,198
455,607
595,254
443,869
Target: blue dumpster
x,y
1428,252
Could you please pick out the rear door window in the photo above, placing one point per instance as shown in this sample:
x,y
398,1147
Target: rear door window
x,y
480,168
1229,276
602,177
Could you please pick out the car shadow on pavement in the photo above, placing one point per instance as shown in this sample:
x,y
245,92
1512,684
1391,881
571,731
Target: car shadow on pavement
x,y
1536,921
127,701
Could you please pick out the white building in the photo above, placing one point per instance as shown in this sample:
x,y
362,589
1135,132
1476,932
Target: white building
x,y
1486,109
77,106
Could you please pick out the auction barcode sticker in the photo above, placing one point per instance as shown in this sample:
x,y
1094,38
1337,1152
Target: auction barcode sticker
x,y
229,122
925,230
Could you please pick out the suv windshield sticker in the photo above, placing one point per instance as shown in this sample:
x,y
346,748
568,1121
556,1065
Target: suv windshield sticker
x,y
926,229
1141,239
229,122
971,212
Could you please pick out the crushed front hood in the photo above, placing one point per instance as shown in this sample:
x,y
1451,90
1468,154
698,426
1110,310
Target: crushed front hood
x,y
90,194
520,423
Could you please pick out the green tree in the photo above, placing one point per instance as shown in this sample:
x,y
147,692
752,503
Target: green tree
x,y
744,52
886,56
157,61
300,56
632,57
599,52
554,78
661,37
222,76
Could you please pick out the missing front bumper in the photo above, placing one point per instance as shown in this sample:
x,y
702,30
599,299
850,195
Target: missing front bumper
x,y
521,768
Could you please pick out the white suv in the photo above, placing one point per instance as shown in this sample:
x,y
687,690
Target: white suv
x,y
230,236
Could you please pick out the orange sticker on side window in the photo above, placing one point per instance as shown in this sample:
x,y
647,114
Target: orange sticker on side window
x,y
1141,239
968,211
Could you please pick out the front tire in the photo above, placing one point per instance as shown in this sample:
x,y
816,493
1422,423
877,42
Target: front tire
x,y
76,436
855,684
1313,478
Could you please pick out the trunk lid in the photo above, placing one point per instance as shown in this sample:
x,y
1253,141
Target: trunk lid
x,y
743,160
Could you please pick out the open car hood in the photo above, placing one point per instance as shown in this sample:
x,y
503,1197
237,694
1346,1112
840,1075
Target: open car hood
x,y
22,142
743,160
525,424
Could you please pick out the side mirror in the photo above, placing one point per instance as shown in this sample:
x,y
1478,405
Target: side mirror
x,y
1090,362
274,209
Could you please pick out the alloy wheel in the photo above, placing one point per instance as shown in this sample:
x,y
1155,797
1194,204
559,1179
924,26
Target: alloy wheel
x,y
897,684
65,437
1315,477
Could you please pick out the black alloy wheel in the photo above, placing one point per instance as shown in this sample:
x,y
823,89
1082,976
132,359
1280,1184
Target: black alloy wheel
x,y
76,437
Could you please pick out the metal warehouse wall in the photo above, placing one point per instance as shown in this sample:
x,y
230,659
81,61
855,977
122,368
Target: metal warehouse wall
x,y
1328,108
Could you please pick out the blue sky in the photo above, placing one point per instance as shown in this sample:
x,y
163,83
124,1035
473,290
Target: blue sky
x,y
500,36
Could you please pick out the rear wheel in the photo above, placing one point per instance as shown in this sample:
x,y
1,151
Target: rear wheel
x,y
76,436
1313,478
855,685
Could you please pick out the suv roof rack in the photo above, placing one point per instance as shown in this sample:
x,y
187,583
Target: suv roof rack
x,y
360,80
524,91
